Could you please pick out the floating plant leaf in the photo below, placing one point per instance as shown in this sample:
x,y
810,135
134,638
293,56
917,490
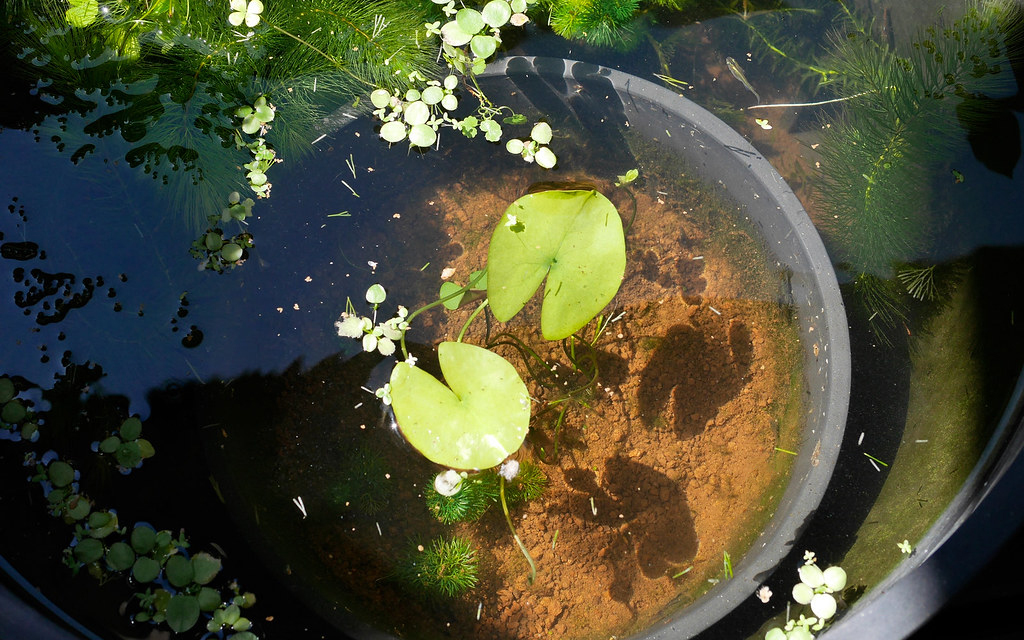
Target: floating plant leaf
x,y
182,612
145,569
60,473
13,412
179,571
7,390
77,507
143,539
209,599
130,429
120,556
129,455
573,238
476,421
88,550
110,445
204,567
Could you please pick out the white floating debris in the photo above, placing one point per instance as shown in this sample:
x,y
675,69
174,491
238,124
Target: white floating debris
x,y
302,507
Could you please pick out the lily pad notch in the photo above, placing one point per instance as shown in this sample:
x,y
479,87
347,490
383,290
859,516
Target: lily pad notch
x,y
574,239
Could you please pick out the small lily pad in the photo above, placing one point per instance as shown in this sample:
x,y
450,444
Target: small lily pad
x,y
476,421
61,474
573,238
143,539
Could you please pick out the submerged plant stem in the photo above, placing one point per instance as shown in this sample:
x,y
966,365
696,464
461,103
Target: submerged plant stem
x,y
512,528
472,317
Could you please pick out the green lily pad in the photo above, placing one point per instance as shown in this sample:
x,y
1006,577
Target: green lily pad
x,y
476,421
209,599
7,390
13,412
574,239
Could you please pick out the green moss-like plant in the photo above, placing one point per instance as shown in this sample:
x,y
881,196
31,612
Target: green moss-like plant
x,y
897,125
445,568
475,495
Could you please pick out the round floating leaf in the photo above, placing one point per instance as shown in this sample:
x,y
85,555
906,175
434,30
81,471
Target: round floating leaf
x,y
209,599
243,635
13,412
146,449
88,550
7,390
422,135
231,252
213,241
496,13
182,612
120,556
432,95
545,158
376,294
515,145
454,35
483,46
77,507
204,567
143,539
541,132
450,102
476,421
179,571
519,6
61,474
102,524
145,569
573,238
393,131
380,98
110,445
416,113
130,429
469,20
28,430
129,455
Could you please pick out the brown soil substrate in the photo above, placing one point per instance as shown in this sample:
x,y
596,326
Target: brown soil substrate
x,y
665,464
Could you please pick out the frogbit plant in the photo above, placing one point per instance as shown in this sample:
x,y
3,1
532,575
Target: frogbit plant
x,y
816,588
479,416
468,39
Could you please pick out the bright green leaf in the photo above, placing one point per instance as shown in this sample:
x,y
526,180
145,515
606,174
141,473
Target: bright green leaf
x,y
496,13
476,421
574,239
483,46
422,135
469,20
454,35
82,13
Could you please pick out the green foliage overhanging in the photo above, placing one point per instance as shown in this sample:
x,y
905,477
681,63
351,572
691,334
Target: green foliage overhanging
x,y
902,120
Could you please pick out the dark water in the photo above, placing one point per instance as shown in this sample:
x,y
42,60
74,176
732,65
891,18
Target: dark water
x,y
140,330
